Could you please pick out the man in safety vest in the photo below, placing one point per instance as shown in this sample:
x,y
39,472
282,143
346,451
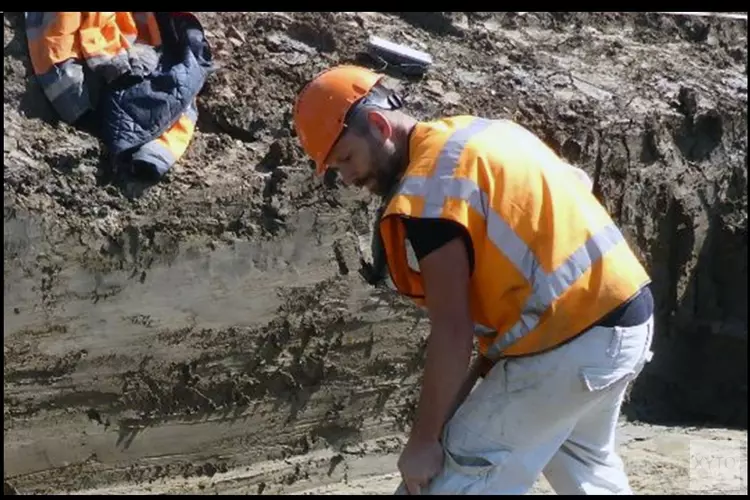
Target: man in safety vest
x,y
514,251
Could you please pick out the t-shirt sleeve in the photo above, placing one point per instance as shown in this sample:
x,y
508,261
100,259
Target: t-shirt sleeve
x,y
427,235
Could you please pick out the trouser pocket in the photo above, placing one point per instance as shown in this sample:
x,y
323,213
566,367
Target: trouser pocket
x,y
598,379
476,464
628,351
467,473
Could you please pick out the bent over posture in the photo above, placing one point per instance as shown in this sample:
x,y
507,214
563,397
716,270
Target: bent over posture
x,y
514,251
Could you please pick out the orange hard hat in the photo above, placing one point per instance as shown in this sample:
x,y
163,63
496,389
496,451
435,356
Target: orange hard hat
x,y
322,106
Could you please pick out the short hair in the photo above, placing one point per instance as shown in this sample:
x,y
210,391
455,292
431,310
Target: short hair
x,y
380,98
357,121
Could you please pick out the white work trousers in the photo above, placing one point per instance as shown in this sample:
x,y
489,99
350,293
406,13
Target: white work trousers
x,y
555,413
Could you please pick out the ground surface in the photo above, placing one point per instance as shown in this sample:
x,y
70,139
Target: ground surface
x,y
658,460
212,332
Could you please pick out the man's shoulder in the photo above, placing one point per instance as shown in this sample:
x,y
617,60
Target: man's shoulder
x,y
430,134
448,123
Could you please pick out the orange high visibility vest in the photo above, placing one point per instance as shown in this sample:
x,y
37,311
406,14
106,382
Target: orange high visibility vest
x,y
548,260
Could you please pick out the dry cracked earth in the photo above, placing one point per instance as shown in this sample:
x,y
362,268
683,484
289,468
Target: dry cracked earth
x,y
212,333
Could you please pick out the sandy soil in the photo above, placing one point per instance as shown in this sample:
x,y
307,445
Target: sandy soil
x,y
659,460
212,332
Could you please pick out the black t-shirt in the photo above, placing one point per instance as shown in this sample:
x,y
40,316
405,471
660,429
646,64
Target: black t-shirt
x,y
427,235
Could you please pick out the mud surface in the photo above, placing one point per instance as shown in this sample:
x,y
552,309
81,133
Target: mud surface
x,y
218,320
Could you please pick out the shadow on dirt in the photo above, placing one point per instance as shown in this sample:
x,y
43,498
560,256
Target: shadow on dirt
x,y
129,428
381,66
699,373
434,22
336,427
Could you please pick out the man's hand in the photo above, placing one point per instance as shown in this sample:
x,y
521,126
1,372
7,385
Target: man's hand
x,y
419,463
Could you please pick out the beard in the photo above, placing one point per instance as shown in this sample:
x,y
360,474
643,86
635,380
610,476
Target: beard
x,y
385,171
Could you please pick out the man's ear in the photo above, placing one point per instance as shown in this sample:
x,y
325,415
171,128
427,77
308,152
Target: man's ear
x,y
381,124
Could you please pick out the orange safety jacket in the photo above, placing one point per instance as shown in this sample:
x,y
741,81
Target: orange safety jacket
x,y
548,260
126,67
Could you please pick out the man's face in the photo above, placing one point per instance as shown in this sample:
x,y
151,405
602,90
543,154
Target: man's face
x,y
368,161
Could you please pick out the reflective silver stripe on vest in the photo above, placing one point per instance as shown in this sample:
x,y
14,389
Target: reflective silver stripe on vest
x,y
547,287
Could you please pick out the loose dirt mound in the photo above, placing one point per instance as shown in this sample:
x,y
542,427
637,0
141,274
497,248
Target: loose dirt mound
x,y
218,319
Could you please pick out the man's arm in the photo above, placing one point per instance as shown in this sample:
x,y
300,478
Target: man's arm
x,y
445,258
445,273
